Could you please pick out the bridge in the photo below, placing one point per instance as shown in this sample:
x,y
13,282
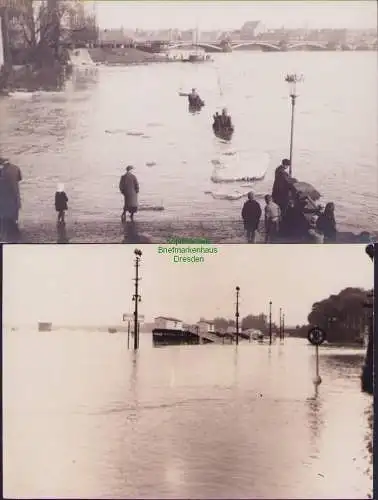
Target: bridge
x,y
228,46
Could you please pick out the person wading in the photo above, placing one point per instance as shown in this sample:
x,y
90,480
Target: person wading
x,y
129,187
251,214
272,220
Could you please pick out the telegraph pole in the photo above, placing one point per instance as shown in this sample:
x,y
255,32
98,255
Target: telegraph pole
x,y
237,314
136,298
280,323
270,322
283,326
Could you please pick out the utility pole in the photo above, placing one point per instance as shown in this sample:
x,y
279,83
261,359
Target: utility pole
x,y
237,314
280,323
136,298
270,322
292,80
283,326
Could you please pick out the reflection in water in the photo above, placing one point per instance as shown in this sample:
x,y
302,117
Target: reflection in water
x,y
204,421
61,232
315,419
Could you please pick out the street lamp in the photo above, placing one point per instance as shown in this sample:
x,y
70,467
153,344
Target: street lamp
x,y
237,314
270,322
292,80
136,297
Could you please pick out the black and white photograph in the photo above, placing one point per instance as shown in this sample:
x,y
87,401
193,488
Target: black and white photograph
x,y
231,122
128,373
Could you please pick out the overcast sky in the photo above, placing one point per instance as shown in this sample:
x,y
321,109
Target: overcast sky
x,y
92,284
232,14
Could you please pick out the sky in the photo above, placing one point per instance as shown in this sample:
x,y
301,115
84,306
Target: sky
x,y
226,15
93,284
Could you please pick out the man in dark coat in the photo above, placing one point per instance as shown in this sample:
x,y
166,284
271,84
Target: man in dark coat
x,y
282,185
129,187
251,215
10,200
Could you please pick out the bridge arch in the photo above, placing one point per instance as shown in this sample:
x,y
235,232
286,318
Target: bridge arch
x,y
254,43
315,45
183,45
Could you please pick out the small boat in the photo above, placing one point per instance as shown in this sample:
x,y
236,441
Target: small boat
x,y
223,132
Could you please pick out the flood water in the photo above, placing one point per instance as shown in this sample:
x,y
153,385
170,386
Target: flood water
x,y
113,116
84,417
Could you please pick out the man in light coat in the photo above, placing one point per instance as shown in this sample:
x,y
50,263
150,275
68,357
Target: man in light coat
x,y
129,187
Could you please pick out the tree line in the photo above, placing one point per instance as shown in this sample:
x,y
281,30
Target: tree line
x,y
343,316
38,31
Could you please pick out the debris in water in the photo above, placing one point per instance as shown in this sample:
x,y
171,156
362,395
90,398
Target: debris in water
x,y
150,164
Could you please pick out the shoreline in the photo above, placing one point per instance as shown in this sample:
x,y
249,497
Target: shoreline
x,y
151,232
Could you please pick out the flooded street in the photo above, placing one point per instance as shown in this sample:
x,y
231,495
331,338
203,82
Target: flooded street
x,y
114,116
84,417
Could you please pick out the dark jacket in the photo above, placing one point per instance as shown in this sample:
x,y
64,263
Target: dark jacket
x,y
326,224
8,200
61,200
251,214
281,186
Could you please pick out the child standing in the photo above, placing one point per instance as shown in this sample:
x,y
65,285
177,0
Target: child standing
x,y
61,200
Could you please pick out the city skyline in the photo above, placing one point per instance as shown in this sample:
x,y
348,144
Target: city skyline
x,y
93,284
227,15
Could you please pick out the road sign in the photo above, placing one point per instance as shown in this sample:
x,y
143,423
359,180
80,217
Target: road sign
x,y
316,336
130,317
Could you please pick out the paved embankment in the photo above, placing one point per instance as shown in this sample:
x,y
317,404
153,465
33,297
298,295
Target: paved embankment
x,y
105,231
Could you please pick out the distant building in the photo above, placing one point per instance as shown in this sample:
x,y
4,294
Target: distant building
x,y
114,36
167,323
44,327
251,30
205,326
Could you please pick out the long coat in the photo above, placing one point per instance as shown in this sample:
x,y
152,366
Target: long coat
x,y
10,200
129,187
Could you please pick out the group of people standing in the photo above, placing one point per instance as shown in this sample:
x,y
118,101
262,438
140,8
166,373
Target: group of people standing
x,y
287,217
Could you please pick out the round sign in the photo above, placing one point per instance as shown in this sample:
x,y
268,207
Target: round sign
x,y
316,336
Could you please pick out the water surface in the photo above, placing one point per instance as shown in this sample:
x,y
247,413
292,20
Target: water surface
x,y
84,417
114,116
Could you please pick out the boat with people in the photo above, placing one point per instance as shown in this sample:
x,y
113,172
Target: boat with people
x,y
222,125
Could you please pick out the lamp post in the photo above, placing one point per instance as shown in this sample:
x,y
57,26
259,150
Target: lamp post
x,y
270,322
237,314
136,298
292,80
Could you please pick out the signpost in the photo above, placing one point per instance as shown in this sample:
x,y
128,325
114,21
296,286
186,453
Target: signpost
x,y
316,336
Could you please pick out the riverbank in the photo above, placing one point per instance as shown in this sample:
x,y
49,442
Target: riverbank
x,y
27,79
123,56
108,231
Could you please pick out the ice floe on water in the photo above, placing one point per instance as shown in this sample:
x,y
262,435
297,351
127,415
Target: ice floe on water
x,y
231,196
22,95
132,133
239,169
